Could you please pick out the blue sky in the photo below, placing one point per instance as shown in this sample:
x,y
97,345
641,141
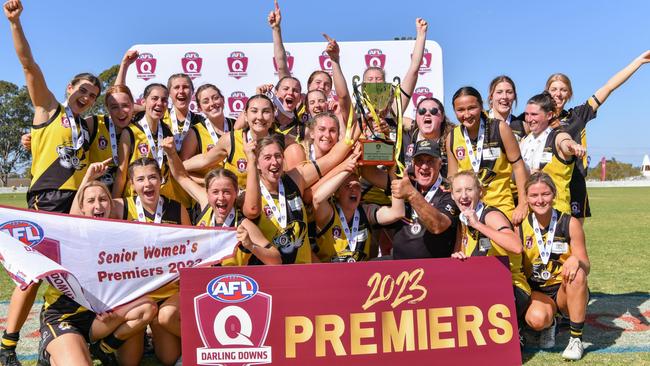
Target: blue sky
x,y
587,40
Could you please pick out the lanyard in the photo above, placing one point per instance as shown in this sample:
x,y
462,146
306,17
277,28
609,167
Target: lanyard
x,y
351,236
479,212
227,222
211,130
113,137
532,148
280,214
312,152
544,248
428,197
142,218
77,138
179,136
156,148
475,158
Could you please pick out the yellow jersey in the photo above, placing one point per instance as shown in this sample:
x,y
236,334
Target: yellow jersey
x,y
332,242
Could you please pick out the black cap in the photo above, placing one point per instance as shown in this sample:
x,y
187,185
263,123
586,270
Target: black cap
x,y
428,147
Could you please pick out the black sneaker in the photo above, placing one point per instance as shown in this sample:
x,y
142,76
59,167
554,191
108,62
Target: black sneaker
x,y
8,357
107,359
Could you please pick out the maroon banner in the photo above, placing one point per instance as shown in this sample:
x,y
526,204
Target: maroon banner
x,y
414,312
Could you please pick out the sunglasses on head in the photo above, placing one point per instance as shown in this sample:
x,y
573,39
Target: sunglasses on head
x,y
434,111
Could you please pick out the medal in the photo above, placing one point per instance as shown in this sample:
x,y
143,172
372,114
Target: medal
x,y
77,138
545,247
279,214
479,212
227,222
113,137
350,235
140,210
213,132
180,135
475,158
546,275
155,147
416,228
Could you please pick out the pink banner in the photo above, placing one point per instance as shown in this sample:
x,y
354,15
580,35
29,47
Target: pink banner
x,y
380,313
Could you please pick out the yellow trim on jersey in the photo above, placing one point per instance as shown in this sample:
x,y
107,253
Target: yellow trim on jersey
x,y
236,162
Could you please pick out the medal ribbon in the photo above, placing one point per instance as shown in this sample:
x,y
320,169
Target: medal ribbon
x,y
227,222
211,130
77,138
179,136
478,210
156,148
141,216
428,197
544,248
475,157
113,137
351,236
280,214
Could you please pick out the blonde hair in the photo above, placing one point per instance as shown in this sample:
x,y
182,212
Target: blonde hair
x,y
560,77
472,176
94,183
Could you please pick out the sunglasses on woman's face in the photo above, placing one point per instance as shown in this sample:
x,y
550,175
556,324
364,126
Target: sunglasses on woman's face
x,y
434,111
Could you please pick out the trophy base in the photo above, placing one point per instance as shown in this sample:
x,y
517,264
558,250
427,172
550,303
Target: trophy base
x,y
374,152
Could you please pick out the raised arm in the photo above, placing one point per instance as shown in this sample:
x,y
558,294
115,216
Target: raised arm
x,y
129,58
620,77
334,52
279,53
306,175
567,147
43,100
252,207
195,190
387,215
411,77
94,171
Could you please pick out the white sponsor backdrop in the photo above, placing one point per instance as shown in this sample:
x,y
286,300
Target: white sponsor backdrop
x,y
237,69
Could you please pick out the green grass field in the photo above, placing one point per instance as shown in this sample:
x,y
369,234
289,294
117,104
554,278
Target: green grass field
x,y
617,236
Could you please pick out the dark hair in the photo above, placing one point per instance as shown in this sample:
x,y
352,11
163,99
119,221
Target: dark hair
x,y
143,162
221,173
150,87
259,96
89,78
446,126
545,101
270,140
277,86
178,76
500,79
205,87
114,89
467,91
541,177
313,76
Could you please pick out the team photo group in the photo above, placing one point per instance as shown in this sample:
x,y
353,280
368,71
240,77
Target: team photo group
x,y
312,171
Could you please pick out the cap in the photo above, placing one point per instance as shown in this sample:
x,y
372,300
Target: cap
x,y
427,147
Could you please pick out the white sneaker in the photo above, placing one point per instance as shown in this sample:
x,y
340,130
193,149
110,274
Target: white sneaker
x,y
573,350
547,336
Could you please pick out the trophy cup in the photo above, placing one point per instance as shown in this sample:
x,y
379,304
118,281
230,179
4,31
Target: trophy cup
x,y
373,102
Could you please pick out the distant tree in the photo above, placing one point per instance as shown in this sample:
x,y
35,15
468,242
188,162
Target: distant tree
x,y
107,77
15,119
615,170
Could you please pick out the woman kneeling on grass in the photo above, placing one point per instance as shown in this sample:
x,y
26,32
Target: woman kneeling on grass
x,y
556,266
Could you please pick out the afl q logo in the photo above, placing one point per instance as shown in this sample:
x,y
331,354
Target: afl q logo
x,y
65,122
29,233
336,232
290,60
102,143
237,64
421,93
460,153
144,149
146,66
375,58
241,165
236,103
192,64
425,65
325,62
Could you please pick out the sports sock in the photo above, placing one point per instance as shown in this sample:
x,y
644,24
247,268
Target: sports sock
x,y
111,343
9,340
576,329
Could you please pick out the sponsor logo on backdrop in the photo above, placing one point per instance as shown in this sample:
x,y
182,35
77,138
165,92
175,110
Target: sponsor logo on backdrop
x,y
375,58
325,62
290,60
236,103
421,93
192,64
425,65
237,64
146,66
233,317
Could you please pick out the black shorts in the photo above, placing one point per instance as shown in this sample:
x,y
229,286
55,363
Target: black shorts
x,y
51,200
522,300
550,291
579,198
61,318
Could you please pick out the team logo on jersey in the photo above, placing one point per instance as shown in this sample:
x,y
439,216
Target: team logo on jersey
x,y
575,208
290,60
146,66
425,65
68,158
102,143
409,150
465,241
233,317
236,103
529,242
33,236
65,122
421,93
291,238
460,153
268,211
336,232
241,165
375,58
237,64
325,62
192,64
143,148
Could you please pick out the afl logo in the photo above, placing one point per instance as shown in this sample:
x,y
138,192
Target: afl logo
x,y
241,165
192,63
336,232
143,148
232,288
237,64
421,93
409,150
529,242
102,143
29,233
460,153
325,62
267,211
290,59
375,58
146,66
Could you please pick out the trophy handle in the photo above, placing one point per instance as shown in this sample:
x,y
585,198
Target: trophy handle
x,y
397,81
